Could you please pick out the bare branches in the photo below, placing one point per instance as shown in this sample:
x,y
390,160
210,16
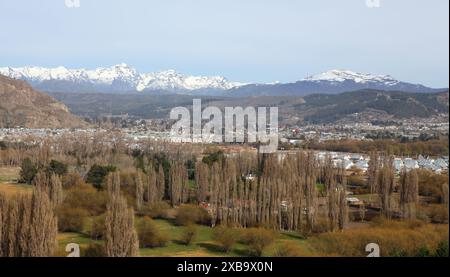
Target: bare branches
x,y
121,239
28,225
409,193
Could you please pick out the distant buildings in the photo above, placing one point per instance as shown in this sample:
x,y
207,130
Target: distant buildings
x,y
134,136
361,162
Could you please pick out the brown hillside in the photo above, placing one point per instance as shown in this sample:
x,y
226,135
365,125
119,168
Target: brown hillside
x,y
21,106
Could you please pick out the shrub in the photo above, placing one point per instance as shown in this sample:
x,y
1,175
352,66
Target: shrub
x,y
97,175
156,210
438,213
189,234
321,225
226,237
423,252
409,238
28,171
442,249
210,159
56,167
288,250
71,219
71,180
430,184
258,239
422,215
190,214
97,231
149,235
94,250
87,197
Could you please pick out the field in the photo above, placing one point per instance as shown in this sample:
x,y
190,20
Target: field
x,y
9,182
9,174
413,237
203,245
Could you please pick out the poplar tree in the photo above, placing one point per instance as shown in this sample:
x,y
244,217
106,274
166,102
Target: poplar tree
x,y
28,225
409,193
121,238
385,185
139,190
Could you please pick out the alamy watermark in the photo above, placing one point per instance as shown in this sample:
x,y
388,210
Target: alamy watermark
x,y
72,3
238,125
373,3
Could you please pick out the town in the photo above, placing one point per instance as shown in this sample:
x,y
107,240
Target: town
x,y
136,131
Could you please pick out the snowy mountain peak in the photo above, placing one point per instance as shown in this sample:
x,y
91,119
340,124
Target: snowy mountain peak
x,y
122,65
120,77
336,75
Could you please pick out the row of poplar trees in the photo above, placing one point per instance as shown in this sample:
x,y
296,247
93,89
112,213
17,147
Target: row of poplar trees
x,y
28,222
254,190
383,183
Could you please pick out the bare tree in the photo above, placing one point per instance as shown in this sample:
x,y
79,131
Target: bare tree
x,y
161,182
372,172
409,193
28,225
139,190
445,199
152,193
178,184
362,212
343,209
385,185
202,181
121,239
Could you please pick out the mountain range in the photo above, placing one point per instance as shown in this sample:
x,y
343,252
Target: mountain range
x,y
331,82
123,78
118,78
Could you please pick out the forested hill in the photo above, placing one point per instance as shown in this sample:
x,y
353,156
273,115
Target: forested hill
x,y
367,105
322,108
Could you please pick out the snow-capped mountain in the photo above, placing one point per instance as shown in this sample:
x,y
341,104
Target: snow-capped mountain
x,y
123,78
347,75
331,82
120,77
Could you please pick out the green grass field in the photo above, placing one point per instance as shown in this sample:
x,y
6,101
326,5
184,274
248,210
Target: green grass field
x,y
202,246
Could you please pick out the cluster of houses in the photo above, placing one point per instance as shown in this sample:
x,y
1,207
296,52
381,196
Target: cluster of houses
x,y
346,161
437,165
359,161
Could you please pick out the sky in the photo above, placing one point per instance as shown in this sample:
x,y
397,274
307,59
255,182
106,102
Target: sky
x,y
243,40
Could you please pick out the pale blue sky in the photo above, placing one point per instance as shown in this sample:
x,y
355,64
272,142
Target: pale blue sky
x,y
244,40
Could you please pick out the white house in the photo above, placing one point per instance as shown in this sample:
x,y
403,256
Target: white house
x,y
410,164
363,165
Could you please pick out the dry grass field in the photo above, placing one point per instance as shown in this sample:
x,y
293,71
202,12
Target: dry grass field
x,y
9,185
9,174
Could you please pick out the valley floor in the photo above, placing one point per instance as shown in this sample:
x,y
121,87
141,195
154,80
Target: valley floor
x,y
203,245
396,238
